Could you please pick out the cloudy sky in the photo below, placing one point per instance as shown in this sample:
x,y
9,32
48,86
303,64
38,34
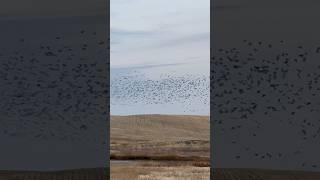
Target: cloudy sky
x,y
159,32
155,44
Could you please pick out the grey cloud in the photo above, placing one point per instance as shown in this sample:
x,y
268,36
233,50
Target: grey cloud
x,y
122,32
182,40
119,35
147,27
148,66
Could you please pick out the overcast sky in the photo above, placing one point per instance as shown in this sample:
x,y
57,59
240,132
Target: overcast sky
x,y
157,32
159,39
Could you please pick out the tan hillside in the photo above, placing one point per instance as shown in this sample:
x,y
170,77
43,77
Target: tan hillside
x,y
160,135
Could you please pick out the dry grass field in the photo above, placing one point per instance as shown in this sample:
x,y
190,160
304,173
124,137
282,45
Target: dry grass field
x,y
158,171
160,137
163,147
156,147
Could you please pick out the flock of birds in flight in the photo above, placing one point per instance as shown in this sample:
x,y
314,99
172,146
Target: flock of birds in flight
x,y
135,89
259,83
58,90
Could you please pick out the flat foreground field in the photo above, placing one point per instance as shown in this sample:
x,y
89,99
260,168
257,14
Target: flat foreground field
x,y
160,147
163,147
158,170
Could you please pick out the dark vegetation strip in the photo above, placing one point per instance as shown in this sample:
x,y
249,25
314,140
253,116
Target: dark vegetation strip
x,y
158,158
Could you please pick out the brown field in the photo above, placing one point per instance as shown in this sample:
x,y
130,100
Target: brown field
x,y
160,147
155,170
163,147
160,136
